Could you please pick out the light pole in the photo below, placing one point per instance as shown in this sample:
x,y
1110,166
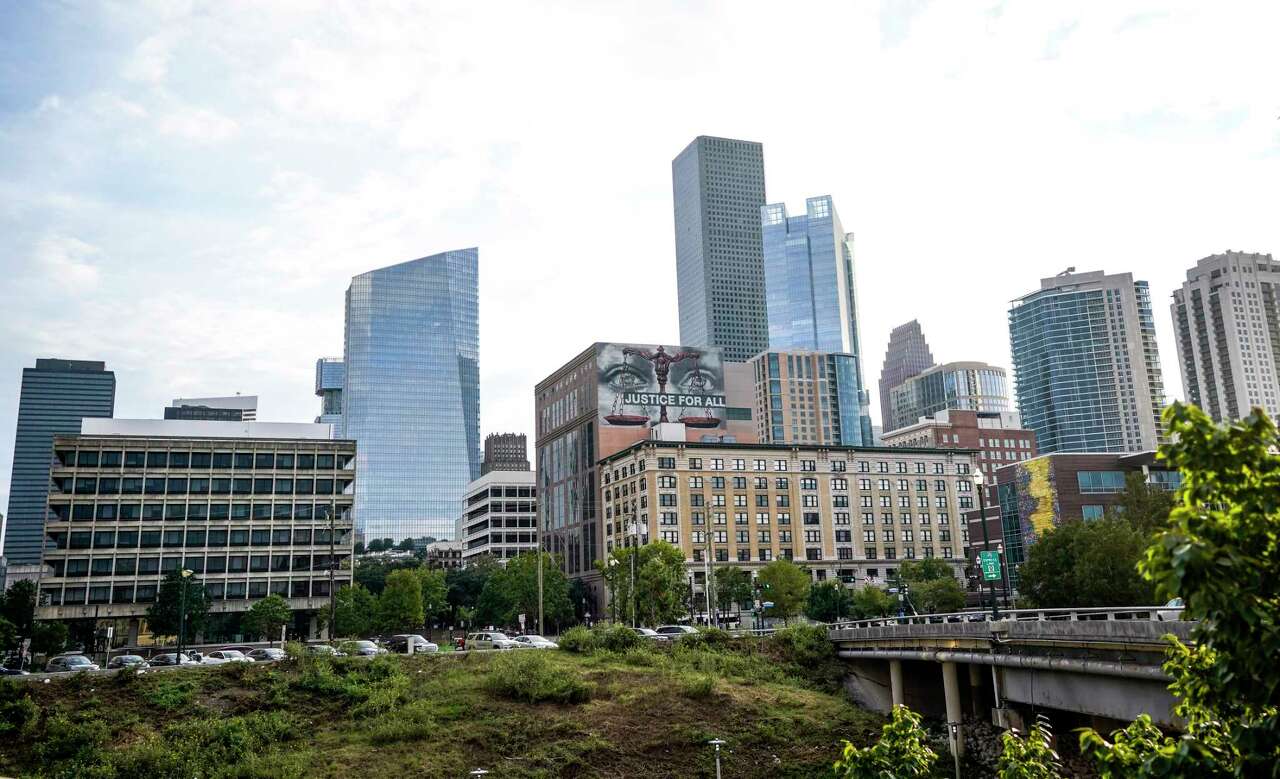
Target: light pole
x,y
717,743
613,588
978,482
635,551
333,593
1004,573
182,612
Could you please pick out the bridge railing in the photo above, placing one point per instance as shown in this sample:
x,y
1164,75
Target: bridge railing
x,y
1143,613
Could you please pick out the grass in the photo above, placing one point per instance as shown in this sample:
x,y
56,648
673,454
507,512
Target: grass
x,y
630,712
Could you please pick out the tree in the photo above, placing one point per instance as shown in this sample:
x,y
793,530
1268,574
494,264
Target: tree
x,y
163,615
359,547
1086,564
8,634
829,601
926,570
786,585
466,584
938,596
400,604
660,587
732,588
48,638
266,617
435,594
18,605
513,590
1145,506
354,611
870,602
902,751
405,545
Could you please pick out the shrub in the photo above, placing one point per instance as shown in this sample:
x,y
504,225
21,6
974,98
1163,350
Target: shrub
x,y
699,686
618,638
804,645
578,639
71,740
707,638
530,677
17,712
170,694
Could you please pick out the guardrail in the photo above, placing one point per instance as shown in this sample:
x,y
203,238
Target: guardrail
x,y
1140,613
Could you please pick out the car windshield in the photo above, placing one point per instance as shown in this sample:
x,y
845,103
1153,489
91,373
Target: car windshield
x,y
366,645
533,639
498,637
231,654
644,631
128,659
76,660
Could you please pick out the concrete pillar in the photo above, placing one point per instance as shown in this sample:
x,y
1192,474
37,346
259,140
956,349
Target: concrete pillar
x,y
313,627
975,689
951,689
895,681
135,625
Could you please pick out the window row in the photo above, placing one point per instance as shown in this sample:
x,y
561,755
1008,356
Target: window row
x,y
811,554
77,595
152,566
837,466
195,512
909,553
181,485
92,458
153,539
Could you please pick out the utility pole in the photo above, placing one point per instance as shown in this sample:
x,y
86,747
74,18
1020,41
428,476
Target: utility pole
x,y
540,553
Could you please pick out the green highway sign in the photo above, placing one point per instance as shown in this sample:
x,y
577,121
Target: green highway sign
x,y
990,562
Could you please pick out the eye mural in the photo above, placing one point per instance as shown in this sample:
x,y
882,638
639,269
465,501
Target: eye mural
x,y
643,384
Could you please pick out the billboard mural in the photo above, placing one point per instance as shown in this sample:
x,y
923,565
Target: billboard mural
x,y
644,385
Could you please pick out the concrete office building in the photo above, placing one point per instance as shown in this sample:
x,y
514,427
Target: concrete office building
x,y
55,396
718,189
233,408
505,452
1086,365
907,355
411,397
968,386
331,374
1227,316
811,398
499,516
247,506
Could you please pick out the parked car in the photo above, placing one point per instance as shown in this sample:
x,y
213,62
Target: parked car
x,y
534,642
651,634
13,672
323,650
400,644
69,664
676,631
220,656
266,655
128,661
362,648
171,658
242,649
1172,611
490,640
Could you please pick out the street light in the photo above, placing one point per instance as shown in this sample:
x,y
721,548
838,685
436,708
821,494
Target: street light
x,y
978,481
717,743
1004,572
184,574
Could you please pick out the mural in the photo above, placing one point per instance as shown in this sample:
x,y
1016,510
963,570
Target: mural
x,y
1037,498
643,384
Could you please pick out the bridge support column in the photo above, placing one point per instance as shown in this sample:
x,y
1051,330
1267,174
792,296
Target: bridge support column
x,y
975,689
895,681
951,689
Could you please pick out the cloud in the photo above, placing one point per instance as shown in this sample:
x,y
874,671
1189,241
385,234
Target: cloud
x,y
66,262
200,125
150,60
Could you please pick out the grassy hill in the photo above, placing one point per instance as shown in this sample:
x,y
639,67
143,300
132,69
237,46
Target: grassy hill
x,y
602,712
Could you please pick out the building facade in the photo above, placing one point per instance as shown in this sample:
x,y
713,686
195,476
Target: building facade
x,y
846,513
499,516
331,375
505,452
55,396
718,189
233,408
411,396
967,386
1086,366
251,509
1227,317
444,554
811,398
907,355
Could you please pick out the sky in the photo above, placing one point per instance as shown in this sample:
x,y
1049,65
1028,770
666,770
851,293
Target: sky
x,y
187,188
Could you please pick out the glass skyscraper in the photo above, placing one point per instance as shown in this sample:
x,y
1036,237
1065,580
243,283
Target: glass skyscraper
x,y
56,395
811,298
331,374
411,399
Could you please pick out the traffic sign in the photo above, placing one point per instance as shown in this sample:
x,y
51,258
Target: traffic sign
x,y
990,562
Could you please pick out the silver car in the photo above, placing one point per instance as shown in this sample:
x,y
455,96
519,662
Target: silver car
x,y
128,661
534,642
676,631
651,634
266,655
69,664
220,656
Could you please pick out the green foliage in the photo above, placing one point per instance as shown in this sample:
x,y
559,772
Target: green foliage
x,y
660,587
405,545
618,638
466,584
1086,564
1146,507
870,602
938,596
163,616
926,570
372,574
900,752
698,686
580,640
1027,758
8,634
732,587
512,590
48,638
18,713
786,585
530,677
435,594
400,604
18,605
805,645
706,638
170,694
829,601
355,610
266,617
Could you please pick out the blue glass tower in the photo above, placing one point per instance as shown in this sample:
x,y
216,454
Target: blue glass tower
x,y
411,398
56,395
811,299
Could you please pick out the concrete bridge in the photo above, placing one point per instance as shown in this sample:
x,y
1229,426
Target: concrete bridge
x,y
1100,666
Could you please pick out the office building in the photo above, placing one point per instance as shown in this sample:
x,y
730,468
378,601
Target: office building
x,y
844,513
718,189
411,398
54,397
1227,317
970,386
811,398
1086,366
499,516
235,408
331,374
907,355
247,506
505,452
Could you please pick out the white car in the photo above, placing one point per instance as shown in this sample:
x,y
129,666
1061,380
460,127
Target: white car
x,y
69,664
676,631
651,634
400,644
490,640
1172,611
225,656
266,655
534,642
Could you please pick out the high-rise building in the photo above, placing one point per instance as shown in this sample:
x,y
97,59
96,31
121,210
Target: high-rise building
x,y
505,452
1086,366
972,386
234,408
55,396
499,516
1227,315
331,374
907,355
412,393
718,188
809,398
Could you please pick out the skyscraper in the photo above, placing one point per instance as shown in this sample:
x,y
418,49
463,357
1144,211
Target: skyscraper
x,y
411,398
971,386
233,408
1227,315
1086,366
809,398
908,355
505,452
55,396
331,373
812,300
718,188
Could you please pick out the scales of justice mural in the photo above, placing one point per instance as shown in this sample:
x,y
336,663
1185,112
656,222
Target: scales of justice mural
x,y
649,385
